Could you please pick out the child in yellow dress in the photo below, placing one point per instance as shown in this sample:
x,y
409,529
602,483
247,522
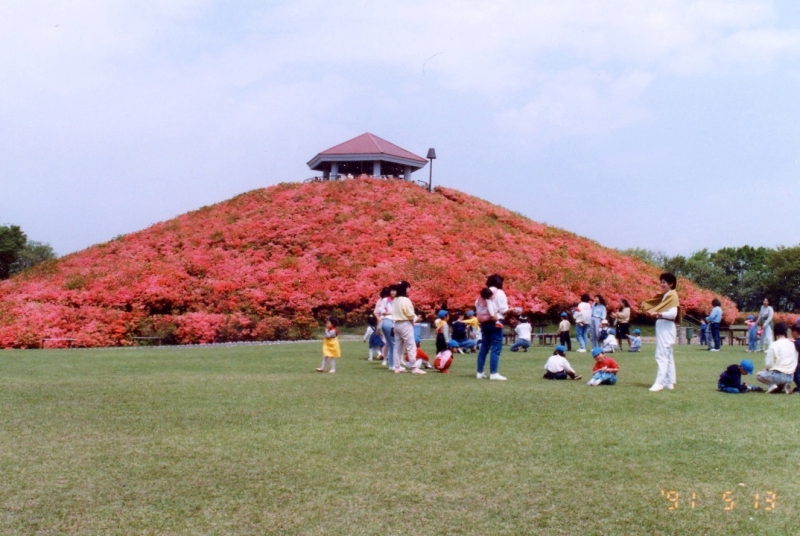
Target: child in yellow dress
x,y
330,345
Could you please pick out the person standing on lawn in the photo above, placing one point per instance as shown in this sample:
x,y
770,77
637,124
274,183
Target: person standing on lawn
x,y
563,332
492,330
713,320
664,308
599,313
780,362
765,319
583,320
404,315
623,318
383,312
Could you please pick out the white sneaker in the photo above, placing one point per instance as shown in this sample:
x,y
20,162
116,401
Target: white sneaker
x,y
399,370
714,350
787,388
669,386
417,371
656,388
497,376
384,363
581,350
772,388
593,383
480,376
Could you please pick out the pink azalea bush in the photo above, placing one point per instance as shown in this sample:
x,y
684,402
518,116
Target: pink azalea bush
x,y
272,262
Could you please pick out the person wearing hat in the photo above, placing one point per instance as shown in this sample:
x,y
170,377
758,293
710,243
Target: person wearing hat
x,y
605,369
730,381
563,332
752,333
635,342
557,367
442,330
610,344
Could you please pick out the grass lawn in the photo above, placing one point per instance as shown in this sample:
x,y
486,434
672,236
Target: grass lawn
x,y
250,440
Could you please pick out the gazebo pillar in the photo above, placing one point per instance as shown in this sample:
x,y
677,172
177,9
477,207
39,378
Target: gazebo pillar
x,y
407,175
334,169
376,168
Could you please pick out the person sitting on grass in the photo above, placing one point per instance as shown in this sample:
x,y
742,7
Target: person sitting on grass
x,y
557,366
523,331
473,330
610,344
330,345
635,341
731,382
459,335
605,369
781,362
601,338
796,336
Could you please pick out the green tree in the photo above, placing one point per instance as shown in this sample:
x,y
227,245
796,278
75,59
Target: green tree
x,y
656,258
783,281
12,240
32,254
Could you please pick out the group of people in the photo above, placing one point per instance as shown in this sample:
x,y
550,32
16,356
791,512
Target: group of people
x,y
394,338
780,366
759,330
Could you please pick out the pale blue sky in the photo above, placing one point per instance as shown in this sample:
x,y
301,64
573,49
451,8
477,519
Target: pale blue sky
x,y
671,125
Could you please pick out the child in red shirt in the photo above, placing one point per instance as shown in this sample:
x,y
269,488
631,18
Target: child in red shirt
x,y
605,369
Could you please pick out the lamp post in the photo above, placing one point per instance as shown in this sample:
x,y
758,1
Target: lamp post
x,y
431,156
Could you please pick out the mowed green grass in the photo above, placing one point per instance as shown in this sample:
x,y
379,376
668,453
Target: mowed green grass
x,y
250,440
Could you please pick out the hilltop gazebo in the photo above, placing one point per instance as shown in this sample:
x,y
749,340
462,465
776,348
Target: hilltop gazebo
x,y
367,154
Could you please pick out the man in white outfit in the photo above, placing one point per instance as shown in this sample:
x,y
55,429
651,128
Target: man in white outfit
x,y
664,308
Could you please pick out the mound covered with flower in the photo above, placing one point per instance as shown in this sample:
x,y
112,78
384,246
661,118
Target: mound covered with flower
x,y
271,263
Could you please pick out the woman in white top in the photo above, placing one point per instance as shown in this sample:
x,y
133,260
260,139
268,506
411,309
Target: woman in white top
x,y
492,331
765,319
383,312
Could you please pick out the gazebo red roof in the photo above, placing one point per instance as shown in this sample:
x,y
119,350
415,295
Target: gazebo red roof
x,y
367,144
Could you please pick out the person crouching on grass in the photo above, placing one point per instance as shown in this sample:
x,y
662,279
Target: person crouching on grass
x,y
557,366
330,345
781,362
403,316
523,332
730,381
443,360
605,369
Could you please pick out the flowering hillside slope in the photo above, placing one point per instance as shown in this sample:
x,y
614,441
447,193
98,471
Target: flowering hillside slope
x,y
270,263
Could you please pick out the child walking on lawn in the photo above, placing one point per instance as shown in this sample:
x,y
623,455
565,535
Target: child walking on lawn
x,y
563,332
730,381
605,369
330,345
375,341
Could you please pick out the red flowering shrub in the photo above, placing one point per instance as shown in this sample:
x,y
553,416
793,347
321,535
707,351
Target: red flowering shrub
x,y
273,263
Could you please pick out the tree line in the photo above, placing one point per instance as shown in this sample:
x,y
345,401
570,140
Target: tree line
x,y
17,253
744,274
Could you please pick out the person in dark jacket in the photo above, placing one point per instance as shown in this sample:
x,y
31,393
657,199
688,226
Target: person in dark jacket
x,y
731,382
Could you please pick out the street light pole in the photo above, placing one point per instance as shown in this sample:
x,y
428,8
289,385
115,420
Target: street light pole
x,y
431,156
